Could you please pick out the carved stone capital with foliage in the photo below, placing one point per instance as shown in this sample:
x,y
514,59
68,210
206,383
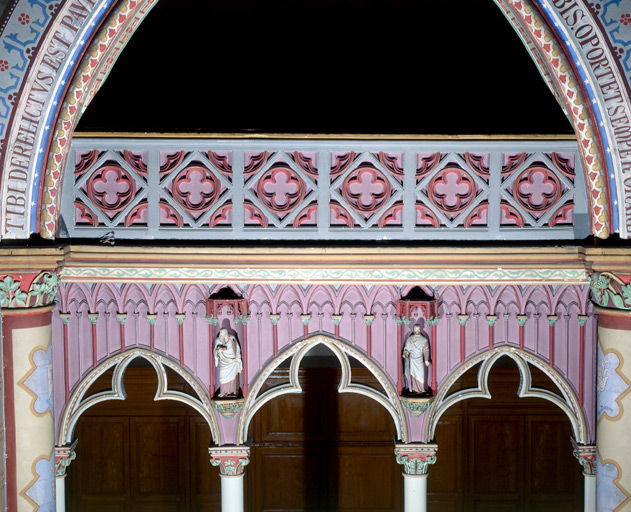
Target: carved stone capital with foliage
x,y
230,459
417,406
228,408
415,458
28,291
586,455
64,455
611,291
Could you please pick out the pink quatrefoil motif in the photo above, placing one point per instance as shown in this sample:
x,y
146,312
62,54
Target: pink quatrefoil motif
x,y
366,189
111,189
281,190
537,189
196,189
452,190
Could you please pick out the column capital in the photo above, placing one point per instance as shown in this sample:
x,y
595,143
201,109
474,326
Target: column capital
x,y
491,319
369,319
230,459
522,319
64,455
274,318
305,319
432,320
336,319
462,319
28,290
586,455
415,458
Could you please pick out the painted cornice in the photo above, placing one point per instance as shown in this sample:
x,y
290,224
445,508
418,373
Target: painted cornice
x,y
319,264
326,265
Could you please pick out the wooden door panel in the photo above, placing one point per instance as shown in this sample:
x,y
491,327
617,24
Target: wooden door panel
x,y
552,464
496,455
443,504
555,505
445,475
286,479
205,481
360,418
159,506
293,417
158,450
497,506
98,479
365,479
100,505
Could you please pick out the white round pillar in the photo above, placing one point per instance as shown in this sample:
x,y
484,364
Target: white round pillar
x,y
60,488
415,459
231,461
232,493
415,493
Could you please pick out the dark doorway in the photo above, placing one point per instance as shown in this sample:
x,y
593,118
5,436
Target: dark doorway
x,y
139,455
506,454
322,450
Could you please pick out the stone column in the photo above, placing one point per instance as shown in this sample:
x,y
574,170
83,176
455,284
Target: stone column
x,y
231,461
586,455
613,463
64,455
27,379
415,459
28,401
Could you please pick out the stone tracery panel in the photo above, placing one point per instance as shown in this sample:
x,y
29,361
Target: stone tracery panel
x,y
324,190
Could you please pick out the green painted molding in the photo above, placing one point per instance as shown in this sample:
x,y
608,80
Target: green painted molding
x,y
325,276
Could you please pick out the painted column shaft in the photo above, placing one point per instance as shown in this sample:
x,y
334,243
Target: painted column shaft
x,y
232,493
590,493
30,428
613,470
60,487
415,493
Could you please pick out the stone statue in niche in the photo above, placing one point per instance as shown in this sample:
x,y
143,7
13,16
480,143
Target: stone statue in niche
x,y
227,354
415,358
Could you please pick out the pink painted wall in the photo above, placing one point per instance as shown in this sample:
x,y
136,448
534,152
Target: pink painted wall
x,y
322,303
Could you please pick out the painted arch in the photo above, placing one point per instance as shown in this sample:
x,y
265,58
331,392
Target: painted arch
x,y
78,402
566,399
296,351
58,53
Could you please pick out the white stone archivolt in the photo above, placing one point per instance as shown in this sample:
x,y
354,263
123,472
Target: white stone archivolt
x,y
78,403
567,400
389,400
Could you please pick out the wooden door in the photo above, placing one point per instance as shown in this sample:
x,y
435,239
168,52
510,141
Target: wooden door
x,y
505,454
323,451
139,455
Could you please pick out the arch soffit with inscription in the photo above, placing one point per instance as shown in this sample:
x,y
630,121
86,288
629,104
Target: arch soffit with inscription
x,y
601,155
